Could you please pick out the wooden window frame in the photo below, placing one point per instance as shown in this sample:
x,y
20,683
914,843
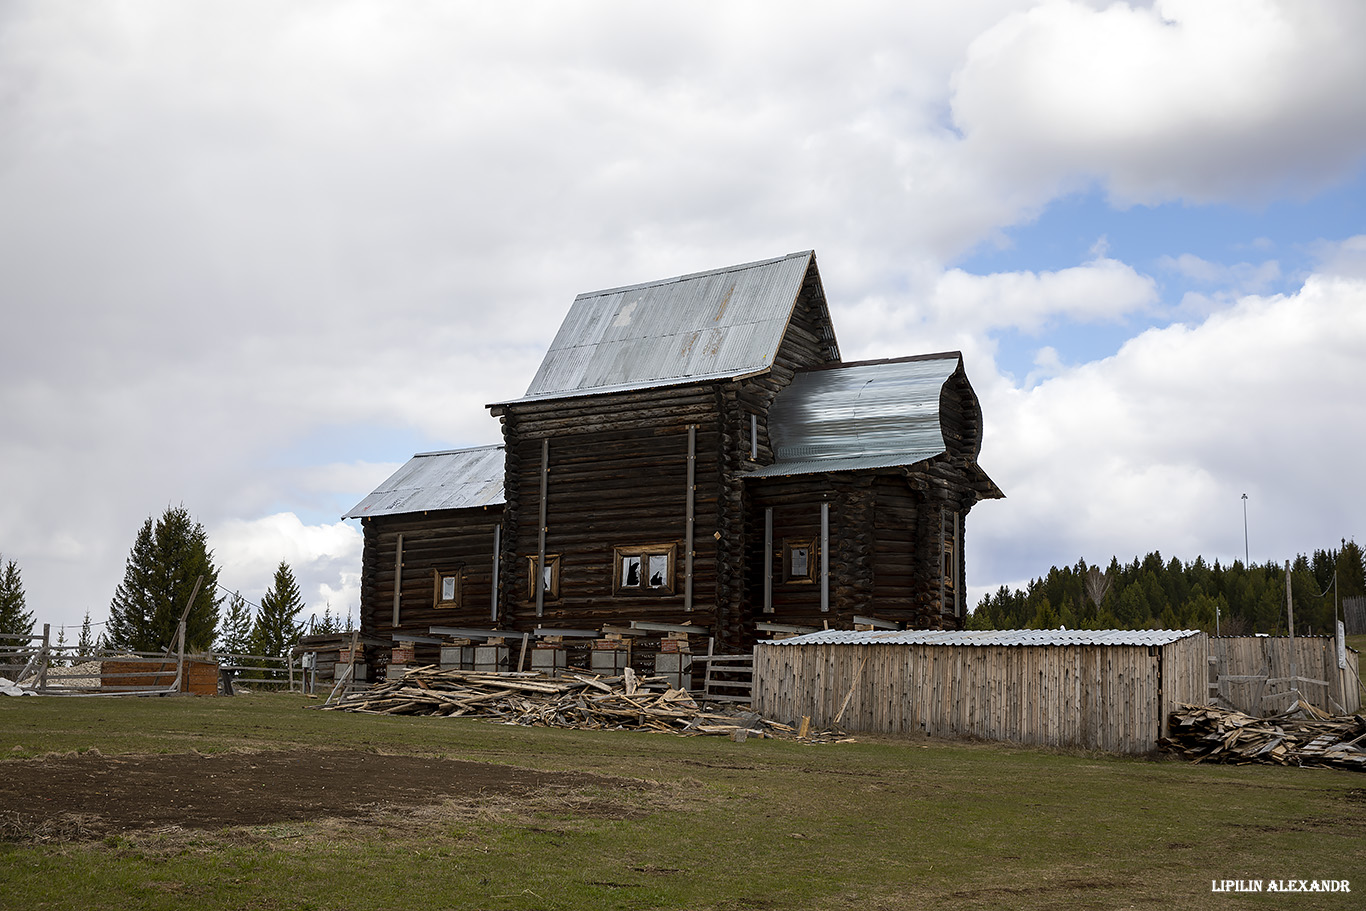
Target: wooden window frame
x,y
644,552
552,592
438,577
790,545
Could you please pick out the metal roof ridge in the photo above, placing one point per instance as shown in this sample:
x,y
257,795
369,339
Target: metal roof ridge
x,y
441,452
739,267
878,362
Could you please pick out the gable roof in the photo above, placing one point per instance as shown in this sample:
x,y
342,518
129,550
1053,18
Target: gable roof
x,y
722,324
454,479
879,414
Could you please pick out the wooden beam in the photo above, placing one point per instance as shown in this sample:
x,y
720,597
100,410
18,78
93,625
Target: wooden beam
x,y
668,627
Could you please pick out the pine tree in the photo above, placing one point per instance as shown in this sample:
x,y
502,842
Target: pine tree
x,y
14,619
167,557
234,633
276,628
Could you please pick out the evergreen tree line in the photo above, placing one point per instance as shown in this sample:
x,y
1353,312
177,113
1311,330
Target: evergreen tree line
x,y
1153,593
170,556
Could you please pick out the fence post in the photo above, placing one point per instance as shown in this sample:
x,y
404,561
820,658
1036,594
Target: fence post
x,y
42,658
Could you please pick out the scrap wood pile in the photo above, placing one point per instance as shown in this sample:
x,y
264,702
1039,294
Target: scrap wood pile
x,y
583,701
1303,736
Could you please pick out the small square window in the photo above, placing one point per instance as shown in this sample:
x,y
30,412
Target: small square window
x,y
550,577
447,589
644,569
799,560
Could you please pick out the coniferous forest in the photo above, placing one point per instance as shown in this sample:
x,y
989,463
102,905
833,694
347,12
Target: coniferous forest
x,y
1153,593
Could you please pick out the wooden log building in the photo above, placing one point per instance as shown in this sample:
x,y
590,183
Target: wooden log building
x,y
691,455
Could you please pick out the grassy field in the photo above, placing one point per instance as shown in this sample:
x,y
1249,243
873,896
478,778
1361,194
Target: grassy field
x,y
717,825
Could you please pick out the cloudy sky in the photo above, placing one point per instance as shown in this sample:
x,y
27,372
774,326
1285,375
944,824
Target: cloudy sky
x,y
253,255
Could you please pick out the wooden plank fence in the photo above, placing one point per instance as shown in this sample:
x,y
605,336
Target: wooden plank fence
x,y
1261,675
1107,697
38,666
1354,615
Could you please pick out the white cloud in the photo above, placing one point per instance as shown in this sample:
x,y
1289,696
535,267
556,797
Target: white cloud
x,y
1346,259
956,310
1243,276
1182,99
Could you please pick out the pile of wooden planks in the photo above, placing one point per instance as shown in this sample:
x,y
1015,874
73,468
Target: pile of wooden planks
x,y
1303,736
584,701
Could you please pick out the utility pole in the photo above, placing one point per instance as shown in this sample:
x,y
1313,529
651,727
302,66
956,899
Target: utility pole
x,y
1246,561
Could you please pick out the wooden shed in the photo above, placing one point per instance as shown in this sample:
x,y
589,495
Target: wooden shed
x,y
1093,689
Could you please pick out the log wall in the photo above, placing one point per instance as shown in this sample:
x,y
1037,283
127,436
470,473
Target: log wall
x,y
455,540
1112,698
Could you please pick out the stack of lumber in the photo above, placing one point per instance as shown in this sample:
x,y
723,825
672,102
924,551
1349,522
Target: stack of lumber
x,y
1303,736
583,701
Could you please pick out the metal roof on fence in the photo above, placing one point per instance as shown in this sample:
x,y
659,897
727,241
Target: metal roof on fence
x,y
454,479
874,415
721,324
1007,637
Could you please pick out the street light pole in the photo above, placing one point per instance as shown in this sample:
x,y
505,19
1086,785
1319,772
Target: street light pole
x,y
1245,557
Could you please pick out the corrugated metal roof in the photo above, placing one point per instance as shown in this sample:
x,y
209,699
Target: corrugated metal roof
x,y
454,479
720,324
1008,637
875,415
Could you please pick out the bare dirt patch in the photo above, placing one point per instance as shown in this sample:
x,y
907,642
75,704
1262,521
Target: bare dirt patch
x,y
107,794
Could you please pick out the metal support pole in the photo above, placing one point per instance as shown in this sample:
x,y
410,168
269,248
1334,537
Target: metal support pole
x,y
768,560
825,556
398,578
497,555
1245,552
690,520
539,581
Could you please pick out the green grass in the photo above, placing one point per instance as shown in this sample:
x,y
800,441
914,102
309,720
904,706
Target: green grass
x,y
762,824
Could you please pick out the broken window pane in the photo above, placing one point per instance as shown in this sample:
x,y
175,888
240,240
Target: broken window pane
x,y
630,571
659,570
800,560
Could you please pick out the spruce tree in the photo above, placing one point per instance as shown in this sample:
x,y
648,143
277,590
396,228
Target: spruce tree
x,y
85,646
234,635
167,557
14,619
277,628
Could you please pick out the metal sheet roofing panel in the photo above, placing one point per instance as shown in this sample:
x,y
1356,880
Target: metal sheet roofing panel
x,y
859,416
853,463
454,479
724,323
1001,637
